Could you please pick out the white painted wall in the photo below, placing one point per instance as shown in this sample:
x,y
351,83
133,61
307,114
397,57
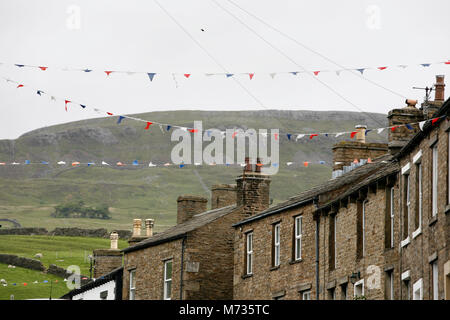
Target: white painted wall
x,y
94,293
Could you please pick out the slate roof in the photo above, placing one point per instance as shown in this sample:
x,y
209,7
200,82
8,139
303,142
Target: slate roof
x,y
180,230
347,179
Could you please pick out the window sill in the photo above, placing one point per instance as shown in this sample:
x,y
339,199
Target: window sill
x,y
295,261
405,242
433,220
274,268
245,276
447,209
417,232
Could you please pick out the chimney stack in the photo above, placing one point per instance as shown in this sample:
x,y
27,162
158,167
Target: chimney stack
x,y
114,237
253,189
137,225
149,223
361,133
223,195
439,88
188,206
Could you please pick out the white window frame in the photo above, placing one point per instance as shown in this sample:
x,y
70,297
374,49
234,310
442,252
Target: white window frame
x,y
132,291
306,295
418,290
392,216
249,253
363,228
167,281
419,173
406,278
335,243
357,284
277,247
298,237
405,172
390,276
434,188
435,279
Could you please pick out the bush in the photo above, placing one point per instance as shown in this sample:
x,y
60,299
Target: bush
x,y
80,210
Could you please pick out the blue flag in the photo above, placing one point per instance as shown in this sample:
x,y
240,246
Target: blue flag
x,y
229,75
181,165
27,162
151,75
425,64
39,92
168,128
87,70
83,106
294,73
361,70
20,65
120,119
409,126
322,162
367,131
135,163
289,136
44,162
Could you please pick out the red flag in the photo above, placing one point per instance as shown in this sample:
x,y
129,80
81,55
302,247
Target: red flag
x,y
352,135
251,75
305,163
66,102
43,68
108,72
187,75
369,160
447,62
109,113
393,128
193,130
25,283
355,161
316,73
313,135
20,86
259,164
234,134
433,121
276,136
382,68
148,125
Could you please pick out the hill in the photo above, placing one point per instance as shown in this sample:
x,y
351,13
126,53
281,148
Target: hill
x,y
28,193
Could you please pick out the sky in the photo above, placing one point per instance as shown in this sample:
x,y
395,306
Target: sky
x,y
137,35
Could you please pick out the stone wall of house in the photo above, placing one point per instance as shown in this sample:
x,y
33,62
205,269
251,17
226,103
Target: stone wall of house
x,y
149,266
106,260
345,152
428,242
289,279
223,195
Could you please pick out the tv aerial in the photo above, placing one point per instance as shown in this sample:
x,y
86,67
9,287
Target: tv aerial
x,y
427,92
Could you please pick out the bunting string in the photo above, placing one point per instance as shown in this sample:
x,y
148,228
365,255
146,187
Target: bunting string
x,y
249,75
290,136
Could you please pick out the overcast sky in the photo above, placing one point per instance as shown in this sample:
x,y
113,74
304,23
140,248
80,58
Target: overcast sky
x,y
139,36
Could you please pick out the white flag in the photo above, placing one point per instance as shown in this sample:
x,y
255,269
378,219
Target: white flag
x,y
380,130
421,124
151,165
104,163
273,75
299,136
288,163
61,162
339,134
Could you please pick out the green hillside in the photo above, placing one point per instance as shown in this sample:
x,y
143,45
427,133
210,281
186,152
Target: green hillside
x,y
29,193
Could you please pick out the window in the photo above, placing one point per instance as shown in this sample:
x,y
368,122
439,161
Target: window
x,y
167,279
332,242
406,206
358,289
389,285
332,294
344,291
363,239
298,238
407,284
132,284
249,253
306,295
417,290
434,179
418,216
276,245
435,279
389,218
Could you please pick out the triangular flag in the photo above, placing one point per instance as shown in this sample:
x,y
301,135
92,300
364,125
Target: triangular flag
x,y
108,72
306,163
20,86
148,125
433,121
27,162
379,130
151,75
75,163
338,72
272,75
104,163
339,134
87,70
369,160
83,106
367,131
316,73
289,136
53,98
229,75
44,162
151,165
382,68
61,162
120,119
187,75
66,102
43,68
181,165
409,126
402,66
393,128
352,135
168,128
135,163
313,135
361,70
39,92
300,136
233,135
109,113
193,130
90,164
447,62
20,65
294,73
355,161
421,124
321,162
251,75
276,136
425,64
120,164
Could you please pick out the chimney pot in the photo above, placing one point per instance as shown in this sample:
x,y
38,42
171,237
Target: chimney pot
x,y
411,103
137,224
114,237
361,133
149,223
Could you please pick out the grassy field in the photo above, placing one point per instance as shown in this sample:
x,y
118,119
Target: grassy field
x,y
61,251
31,290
